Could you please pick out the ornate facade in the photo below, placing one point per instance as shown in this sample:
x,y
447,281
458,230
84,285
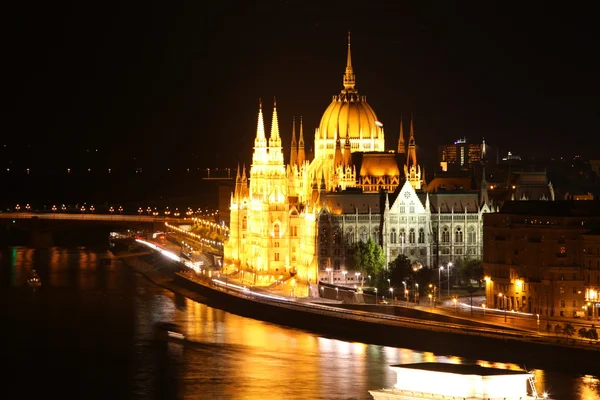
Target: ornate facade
x,y
299,219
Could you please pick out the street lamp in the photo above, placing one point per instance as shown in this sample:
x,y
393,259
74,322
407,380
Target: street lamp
x,y
345,277
392,294
375,295
440,278
328,269
455,301
503,305
337,293
430,300
416,292
405,293
449,266
483,306
357,274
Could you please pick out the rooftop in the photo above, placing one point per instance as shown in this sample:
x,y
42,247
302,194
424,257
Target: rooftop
x,y
461,369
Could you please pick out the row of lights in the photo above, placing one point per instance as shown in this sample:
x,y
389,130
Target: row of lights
x,y
112,209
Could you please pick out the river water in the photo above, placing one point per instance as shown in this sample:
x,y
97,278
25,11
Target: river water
x,y
87,333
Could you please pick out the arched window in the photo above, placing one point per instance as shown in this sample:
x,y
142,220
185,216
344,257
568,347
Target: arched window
x,y
393,236
421,235
276,230
337,236
445,235
471,235
411,208
350,236
375,235
245,222
364,235
411,235
458,235
402,236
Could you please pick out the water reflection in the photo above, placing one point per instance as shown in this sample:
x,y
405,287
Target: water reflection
x,y
97,321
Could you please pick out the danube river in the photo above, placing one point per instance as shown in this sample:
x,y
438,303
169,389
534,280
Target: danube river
x,y
87,333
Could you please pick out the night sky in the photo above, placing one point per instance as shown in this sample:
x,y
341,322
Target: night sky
x,y
177,84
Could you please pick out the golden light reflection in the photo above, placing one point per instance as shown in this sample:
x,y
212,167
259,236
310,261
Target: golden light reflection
x,y
590,387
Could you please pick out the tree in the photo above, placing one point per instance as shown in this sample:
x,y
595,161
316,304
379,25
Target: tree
x,y
469,269
400,270
569,330
582,333
558,329
367,258
592,333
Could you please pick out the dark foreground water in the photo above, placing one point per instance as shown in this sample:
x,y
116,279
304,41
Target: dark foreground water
x,y
88,334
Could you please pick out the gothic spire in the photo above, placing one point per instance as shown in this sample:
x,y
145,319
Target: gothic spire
x,y
301,154
274,127
294,151
401,145
349,78
411,159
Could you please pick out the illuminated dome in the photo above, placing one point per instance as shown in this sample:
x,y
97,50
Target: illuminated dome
x,y
349,116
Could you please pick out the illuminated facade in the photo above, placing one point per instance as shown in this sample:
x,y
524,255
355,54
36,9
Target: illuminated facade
x,y
279,212
543,257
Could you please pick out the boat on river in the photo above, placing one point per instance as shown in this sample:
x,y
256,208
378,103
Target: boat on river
x,y
33,280
436,380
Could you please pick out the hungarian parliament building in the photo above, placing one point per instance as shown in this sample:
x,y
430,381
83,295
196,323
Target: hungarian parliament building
x,y
300,218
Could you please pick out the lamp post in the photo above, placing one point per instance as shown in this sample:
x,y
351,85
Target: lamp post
x,y
345,277
357,275
375,296
392,294
337,292
405,293
328,269
501,296
440,278
416,292
455,301
483,306
449,265
430,300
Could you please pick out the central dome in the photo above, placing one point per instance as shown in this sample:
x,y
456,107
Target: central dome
x,y
349,115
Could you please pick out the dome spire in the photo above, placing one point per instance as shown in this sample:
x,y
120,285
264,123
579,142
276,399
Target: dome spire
x,y
349,78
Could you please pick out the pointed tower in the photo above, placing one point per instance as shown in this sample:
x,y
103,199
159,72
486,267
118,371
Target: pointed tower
x,y
412,171
275,150
294,151
401,145
347,152
238,181
411,158
260,142
484,199
338,160
301,154
244,184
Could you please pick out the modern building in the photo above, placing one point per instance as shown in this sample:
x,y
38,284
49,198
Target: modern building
x,y
461,155
543,257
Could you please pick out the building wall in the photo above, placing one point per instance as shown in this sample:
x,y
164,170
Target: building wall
x,y
536,263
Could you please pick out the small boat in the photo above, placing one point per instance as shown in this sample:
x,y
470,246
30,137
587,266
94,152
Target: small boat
x,y
34,280
437,380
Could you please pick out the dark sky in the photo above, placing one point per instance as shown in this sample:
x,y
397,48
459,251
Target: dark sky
x,y
178,83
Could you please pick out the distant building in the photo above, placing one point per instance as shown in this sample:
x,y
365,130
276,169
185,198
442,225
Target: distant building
x,y
543,257
460,155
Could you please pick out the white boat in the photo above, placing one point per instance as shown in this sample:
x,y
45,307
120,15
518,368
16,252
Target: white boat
x,y
34,280
436,380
